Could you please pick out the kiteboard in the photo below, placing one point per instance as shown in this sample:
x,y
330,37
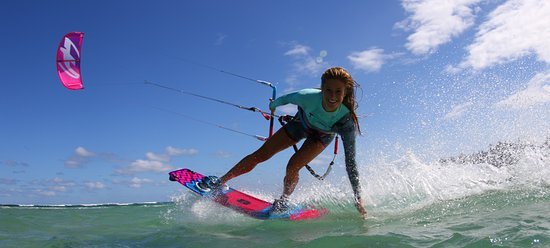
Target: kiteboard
x,y
242,202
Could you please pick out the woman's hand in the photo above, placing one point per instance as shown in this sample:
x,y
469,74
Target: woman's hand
x,y
361,208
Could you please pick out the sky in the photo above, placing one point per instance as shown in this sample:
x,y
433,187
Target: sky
x,y
438,78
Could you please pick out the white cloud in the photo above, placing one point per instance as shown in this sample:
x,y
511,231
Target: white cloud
x,y
51,187
155,162
452,69
436,22
59,188
157,157
289,109
513,30
223,154
298,50
80,157
57,180
292,79
138,182
135,182
82,152
537,92
13,163
369,60
145,166
304,63
458,111
94,185
172,151
46,193
72,163
309,66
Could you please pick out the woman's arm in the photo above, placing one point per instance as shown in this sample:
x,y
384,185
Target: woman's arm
x,y
348,138
301,98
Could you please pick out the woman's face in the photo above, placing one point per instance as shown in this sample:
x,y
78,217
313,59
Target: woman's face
x,y
334,92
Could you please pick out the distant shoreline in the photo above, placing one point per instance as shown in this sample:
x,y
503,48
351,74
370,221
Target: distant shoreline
x,y
94,205
499,155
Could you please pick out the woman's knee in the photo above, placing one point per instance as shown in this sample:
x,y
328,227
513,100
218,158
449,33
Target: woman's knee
x,y
294,165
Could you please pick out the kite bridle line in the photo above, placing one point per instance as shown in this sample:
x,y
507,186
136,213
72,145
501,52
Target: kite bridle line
x,y
258,137
266,115
269,117
262,82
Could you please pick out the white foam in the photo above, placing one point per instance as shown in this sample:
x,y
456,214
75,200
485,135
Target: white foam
x,y
410,183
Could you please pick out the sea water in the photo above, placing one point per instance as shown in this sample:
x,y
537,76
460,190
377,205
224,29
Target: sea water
x,y
411,203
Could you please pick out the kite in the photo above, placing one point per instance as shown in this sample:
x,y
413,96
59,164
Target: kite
x,y
68,60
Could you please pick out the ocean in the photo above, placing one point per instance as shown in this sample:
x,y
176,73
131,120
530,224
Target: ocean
x,y
411,203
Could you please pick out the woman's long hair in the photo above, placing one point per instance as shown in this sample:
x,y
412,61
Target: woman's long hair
x,y
349,101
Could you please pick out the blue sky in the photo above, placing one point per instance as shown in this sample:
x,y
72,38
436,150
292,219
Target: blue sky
x,y
438,78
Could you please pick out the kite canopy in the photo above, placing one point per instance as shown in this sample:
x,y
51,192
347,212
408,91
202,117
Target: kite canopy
x,y
68,60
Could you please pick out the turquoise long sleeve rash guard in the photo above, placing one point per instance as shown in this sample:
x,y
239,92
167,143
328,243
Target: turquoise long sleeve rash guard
x,y
339,121
311,101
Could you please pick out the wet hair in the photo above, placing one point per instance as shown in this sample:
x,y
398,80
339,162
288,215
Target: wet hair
x,y
339,73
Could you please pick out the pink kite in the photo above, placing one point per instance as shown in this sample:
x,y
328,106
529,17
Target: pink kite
x,y
68,60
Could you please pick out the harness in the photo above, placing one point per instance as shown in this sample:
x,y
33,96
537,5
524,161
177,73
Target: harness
x,y
284,119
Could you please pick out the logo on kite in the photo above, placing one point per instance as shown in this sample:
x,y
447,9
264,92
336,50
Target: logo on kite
x,y
68,60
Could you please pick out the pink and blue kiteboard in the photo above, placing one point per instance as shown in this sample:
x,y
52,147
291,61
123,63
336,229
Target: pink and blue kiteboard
x,y
241,202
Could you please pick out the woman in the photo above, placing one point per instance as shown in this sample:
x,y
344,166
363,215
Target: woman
x,y
322,113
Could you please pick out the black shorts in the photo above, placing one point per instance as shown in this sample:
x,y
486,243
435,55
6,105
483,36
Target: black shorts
x,y
297,131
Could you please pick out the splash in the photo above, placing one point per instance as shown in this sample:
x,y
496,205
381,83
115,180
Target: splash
x,y
190,208
410,182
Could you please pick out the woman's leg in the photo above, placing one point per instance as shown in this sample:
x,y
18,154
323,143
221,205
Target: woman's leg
x,y
276,143
309,150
